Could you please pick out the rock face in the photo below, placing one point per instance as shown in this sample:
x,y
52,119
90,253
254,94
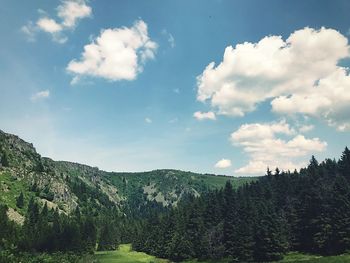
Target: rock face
x,y
44,178
66,185
15,216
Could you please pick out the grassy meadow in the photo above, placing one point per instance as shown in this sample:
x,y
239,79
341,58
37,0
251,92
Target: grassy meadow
x,y
304,258
124,254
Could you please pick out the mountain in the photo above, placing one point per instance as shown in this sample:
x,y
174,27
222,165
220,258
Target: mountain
x,y
66,185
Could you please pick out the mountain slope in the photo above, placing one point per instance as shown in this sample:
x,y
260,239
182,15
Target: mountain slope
x,y
67,185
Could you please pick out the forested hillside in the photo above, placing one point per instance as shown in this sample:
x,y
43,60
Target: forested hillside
x,y
66,185
55,206
63,211
307,211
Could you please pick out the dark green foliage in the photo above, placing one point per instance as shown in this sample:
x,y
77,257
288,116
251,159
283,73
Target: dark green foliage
x,y
57,257
47,230
20,200
8,230
4,159
307,211
46,194
229,219
344,163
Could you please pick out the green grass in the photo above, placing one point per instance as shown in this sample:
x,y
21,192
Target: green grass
x,y
295,257
210,261
10,188
124,254
305,258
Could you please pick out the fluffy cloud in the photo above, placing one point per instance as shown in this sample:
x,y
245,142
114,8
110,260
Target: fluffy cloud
x,y
223,163
69,12
330,100
117,54
306,128
204,115
299,75
273,145
49,25
40,95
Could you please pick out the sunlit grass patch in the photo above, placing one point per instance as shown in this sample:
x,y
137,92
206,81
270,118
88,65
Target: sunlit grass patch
x,y
124,254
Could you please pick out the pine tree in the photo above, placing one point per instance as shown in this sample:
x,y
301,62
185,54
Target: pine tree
x,y
30,226
89,234
107,240
340,216
20,201
344,163
313,166
4,225
4,160
269,240
229,226
57,231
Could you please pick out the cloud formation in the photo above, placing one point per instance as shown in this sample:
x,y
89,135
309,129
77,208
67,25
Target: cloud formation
x,y
40,95
169,37
299,75
117,54
69,12
306,128
273,145
223,163
204,115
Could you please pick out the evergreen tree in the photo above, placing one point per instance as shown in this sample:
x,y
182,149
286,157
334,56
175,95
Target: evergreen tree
x,y
30,227
108,239
20,201
340,217
344,163
89,234
269,240
229,220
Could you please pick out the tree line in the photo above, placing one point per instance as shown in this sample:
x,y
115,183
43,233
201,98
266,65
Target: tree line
x,y
307,211
52,231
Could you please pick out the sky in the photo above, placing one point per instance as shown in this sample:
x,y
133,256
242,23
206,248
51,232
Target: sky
x,y
224,87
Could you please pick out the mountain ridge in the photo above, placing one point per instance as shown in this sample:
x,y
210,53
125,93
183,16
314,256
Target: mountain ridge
x,y
66,185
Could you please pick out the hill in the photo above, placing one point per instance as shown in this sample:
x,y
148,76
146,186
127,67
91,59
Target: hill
x,y
67,185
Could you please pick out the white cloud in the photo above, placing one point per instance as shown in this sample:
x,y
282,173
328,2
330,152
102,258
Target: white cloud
x,y
29,30
117,54
69,12
204,115
273,145
171,40
300,75
169,37
306,128
40,95
223,163
148,120
49,25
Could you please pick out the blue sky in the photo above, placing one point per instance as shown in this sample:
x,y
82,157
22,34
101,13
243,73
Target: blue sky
x,y
146,98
